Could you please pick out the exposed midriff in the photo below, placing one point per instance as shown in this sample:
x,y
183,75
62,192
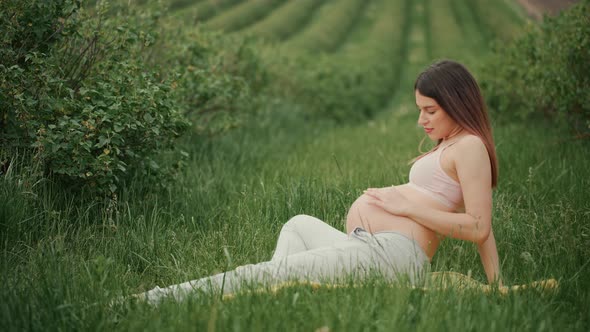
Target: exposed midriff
x,y
374,219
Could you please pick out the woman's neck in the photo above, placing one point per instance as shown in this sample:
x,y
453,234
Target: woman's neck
x,y
455,135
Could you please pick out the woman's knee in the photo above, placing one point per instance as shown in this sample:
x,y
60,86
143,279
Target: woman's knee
x,y
298,220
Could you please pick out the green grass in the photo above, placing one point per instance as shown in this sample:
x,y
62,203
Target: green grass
x,y
62,264
64,258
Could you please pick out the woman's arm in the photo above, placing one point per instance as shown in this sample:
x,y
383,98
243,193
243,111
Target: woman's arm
x,y
489,258
463,226
472,164
473,168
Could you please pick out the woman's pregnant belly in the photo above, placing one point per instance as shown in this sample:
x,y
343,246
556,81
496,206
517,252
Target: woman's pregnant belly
x,y
374,219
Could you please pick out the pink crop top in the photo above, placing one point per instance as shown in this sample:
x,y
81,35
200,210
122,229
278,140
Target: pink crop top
x,y
427,176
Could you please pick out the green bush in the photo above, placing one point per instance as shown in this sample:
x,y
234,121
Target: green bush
x,y
29,29
546,71
217,79
96,95
87,104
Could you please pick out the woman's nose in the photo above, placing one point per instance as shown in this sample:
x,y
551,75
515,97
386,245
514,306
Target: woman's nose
x,y
422,119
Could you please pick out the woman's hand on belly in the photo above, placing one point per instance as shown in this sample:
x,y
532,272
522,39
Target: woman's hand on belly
x,y
375,219
389,199
372,218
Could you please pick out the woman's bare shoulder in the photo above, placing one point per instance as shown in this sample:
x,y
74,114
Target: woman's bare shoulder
x,y
471,148
470,143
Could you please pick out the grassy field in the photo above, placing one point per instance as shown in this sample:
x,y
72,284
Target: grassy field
x,y
62,262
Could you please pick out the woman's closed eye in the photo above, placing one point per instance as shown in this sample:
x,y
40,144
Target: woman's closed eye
x,y
428,110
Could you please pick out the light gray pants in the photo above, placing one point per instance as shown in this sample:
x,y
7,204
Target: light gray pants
x,y
309,249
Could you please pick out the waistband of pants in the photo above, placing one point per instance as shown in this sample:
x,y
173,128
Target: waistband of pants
x,y
361,233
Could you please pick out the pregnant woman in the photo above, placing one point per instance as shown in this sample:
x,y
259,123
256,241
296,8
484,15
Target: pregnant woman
x,y
394,231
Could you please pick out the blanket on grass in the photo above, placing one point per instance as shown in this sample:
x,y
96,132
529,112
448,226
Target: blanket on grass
x,y
434,281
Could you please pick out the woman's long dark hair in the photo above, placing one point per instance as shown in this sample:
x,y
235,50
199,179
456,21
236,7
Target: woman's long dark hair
x,y
456,91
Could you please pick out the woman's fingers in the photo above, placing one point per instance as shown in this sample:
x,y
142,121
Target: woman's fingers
x,y
375,202
372,193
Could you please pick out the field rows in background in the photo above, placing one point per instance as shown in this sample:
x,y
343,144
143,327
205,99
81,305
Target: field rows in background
x,y
498,18
328,27
417,37
285,20
357,152
383,49
362,28
380,31
242,15
388,23
203,10
464,20
180,4
363,71
460,29
445,35
471,25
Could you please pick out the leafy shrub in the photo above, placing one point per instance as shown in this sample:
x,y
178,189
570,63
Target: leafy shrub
x,y
98,94
29,29
88,104
217,79
546,71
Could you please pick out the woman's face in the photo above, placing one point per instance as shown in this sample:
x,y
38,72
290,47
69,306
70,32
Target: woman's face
x,y
436,122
